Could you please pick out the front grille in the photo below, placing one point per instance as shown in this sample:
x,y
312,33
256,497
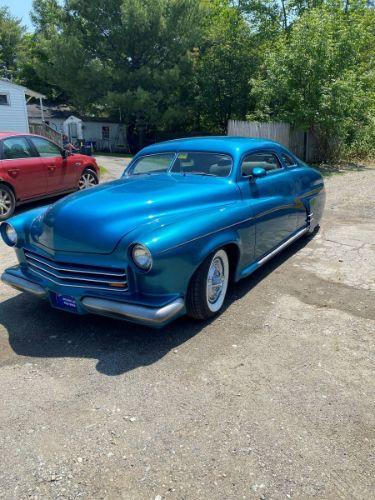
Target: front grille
x,y
77,275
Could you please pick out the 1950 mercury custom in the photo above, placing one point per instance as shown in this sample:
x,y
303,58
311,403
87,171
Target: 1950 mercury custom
x,y
164,240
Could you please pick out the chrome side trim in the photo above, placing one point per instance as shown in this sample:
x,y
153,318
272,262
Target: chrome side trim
x,y
206,234
283,245
23,285
132,312
254,217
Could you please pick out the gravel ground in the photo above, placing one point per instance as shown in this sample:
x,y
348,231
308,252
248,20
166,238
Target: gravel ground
x,y
113,165
273,399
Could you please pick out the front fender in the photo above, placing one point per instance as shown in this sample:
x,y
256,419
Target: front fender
x,y
22,223
179,248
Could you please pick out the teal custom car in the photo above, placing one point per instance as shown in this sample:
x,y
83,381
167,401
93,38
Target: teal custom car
x,y
165,239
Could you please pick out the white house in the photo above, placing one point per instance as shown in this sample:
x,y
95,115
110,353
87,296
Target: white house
x,y
104,134
13,110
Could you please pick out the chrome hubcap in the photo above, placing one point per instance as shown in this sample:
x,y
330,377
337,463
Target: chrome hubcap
x,y
5,203
86,181
215,280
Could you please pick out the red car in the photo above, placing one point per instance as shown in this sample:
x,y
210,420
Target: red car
x,y
32,167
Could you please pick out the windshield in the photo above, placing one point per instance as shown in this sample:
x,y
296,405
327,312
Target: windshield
x,y
153,164
185,163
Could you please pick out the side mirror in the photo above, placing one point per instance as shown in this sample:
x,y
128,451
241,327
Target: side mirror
x,y
65,153
259,172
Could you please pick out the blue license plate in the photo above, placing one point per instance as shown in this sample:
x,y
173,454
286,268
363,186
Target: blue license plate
x,y
64,302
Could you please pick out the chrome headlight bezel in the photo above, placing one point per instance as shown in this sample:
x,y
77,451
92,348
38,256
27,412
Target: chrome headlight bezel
x,y
9,234
141,257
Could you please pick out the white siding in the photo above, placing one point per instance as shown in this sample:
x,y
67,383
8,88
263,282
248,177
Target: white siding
x,y
57,124
13,118
92,131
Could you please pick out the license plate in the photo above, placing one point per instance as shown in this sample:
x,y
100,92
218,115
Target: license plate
x,y
64,302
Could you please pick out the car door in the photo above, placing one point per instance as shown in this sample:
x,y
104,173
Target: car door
x,y
61,176
27,173
272,199
301,182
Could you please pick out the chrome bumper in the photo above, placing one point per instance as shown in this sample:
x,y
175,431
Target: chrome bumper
x,y
139,314
151,316
23,285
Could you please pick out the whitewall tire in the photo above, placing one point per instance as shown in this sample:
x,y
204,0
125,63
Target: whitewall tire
x,y
208,286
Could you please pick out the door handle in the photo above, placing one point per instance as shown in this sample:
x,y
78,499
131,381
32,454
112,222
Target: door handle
x,y
13,172
51,168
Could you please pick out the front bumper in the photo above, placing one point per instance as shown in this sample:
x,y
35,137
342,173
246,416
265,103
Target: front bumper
x,y
156,317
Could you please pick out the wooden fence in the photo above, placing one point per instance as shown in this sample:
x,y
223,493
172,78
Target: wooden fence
x,y
303,144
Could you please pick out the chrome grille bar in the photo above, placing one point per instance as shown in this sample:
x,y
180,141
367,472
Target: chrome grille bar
x,y
79,276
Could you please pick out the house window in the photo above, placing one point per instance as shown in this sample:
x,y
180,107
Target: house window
x,y
4,99
105,132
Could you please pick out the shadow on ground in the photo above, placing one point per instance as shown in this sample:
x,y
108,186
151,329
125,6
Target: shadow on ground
x,y
329,169
37,330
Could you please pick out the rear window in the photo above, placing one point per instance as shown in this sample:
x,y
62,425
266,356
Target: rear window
x,y
289,162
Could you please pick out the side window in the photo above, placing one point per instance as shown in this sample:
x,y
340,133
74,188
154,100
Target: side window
x,y
289,162
268,161
16,147
46,149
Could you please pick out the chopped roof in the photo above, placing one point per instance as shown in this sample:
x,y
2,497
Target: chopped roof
x,y
235,146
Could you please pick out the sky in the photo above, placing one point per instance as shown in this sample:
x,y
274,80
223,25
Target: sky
x,y
20,8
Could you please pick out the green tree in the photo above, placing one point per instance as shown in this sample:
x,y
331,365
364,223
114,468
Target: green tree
x,y
128,58
320,76
223,65
11,39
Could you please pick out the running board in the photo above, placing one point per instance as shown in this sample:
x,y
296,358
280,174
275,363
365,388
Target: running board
x,y
283,245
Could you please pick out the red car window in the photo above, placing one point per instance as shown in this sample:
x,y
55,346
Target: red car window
x,y
16,147
46,149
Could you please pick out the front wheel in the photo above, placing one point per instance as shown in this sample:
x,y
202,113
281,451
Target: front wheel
x,y
87,180
208,286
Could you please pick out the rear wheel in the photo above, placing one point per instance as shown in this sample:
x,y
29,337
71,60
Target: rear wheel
x,y
208,286
7,202
87,180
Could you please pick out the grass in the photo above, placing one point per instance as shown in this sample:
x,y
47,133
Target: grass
x,y
115,155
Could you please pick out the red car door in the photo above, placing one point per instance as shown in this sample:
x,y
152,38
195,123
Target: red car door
x,y
23,168
61,174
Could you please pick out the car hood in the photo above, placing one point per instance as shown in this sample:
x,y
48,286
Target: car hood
x,y
94,221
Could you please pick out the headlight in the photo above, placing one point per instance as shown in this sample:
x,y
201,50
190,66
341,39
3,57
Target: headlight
x,y
9,234
142,257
